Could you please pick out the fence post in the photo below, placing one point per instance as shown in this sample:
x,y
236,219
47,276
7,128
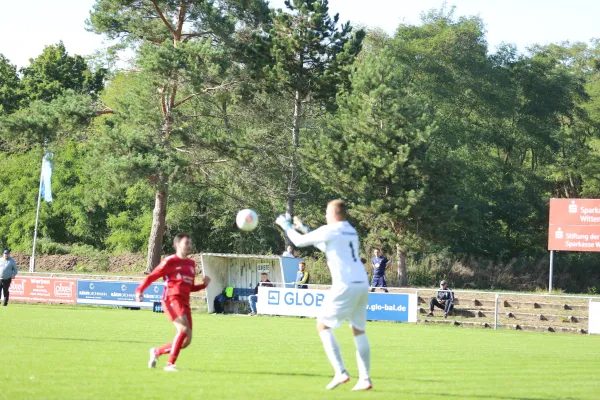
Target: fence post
x,y
496,313
417,293
589,314
551,274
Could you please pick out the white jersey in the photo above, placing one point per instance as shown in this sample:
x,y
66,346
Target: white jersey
x,y
339,241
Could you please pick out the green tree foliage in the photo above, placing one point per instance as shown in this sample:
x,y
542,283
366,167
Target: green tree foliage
x,y
445,150
461,158
54,71
185,59
42,123
499,121
310,60
19,178
9,86
372,152
67,220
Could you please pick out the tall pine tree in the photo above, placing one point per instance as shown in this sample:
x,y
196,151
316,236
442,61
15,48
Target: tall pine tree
x,y
310,59
186,52
372,151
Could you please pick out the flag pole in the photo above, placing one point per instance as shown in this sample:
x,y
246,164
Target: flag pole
x,y
37,219
551,274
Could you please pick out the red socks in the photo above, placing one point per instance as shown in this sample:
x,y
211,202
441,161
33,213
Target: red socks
x,y
176,347
164,349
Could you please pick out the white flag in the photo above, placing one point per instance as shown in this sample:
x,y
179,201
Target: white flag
x,y
47,167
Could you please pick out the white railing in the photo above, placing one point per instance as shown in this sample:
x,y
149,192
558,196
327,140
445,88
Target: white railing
x,y
498,295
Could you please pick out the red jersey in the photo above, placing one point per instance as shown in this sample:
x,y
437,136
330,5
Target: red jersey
x,y
178,275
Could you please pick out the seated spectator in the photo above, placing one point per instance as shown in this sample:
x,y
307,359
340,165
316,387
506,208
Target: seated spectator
x,y
254,298
289,252
444,300
302,277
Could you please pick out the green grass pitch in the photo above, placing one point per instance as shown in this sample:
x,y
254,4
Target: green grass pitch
x,y
53,352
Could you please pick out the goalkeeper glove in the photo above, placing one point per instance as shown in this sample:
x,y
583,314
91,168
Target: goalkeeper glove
x,y
300,227
284,222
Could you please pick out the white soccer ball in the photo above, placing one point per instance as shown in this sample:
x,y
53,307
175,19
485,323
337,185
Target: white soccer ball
x,y
246,220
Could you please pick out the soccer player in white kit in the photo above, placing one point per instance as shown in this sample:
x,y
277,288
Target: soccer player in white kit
x,y
349,294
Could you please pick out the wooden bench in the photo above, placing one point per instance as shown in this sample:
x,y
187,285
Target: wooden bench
x,y
240,296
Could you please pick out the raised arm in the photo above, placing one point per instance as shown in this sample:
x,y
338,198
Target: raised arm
x,y
158,272
314,238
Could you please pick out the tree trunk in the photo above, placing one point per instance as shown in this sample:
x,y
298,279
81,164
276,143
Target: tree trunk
x,y
293,182
155,242
401,255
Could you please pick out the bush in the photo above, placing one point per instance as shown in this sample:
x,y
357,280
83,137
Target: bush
x,y
97,259
319,272
47,246
419,273
82,268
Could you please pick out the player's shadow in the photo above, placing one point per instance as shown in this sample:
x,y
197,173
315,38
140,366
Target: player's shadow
x,y
218,371
302,374
82,339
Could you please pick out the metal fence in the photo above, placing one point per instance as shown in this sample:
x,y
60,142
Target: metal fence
x,y
509,310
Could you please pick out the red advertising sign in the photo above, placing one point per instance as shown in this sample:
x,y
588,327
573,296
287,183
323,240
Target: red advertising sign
x,y
574,225
44,290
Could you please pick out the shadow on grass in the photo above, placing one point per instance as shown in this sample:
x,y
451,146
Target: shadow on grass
x,y
486,397
74,307
258,373
81,339
327,376
379,389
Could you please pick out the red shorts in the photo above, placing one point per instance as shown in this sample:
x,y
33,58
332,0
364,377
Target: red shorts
x,y
175,307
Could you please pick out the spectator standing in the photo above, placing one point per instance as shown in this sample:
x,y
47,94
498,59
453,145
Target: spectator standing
x,y
8,271
289,252
379,262
253,299
443,300
302,277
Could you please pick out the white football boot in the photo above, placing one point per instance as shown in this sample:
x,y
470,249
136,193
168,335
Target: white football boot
x,y
363,384
153,358
171,368
338,380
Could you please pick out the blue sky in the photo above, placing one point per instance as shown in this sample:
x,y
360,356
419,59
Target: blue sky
x,y
25,32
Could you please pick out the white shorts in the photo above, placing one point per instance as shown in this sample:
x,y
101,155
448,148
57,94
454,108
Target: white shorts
x,y
343,303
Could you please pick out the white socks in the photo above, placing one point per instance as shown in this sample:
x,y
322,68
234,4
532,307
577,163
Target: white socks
x,y
363,355
332,350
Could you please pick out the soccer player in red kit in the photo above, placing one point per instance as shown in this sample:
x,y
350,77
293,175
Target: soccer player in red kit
x,y
178,272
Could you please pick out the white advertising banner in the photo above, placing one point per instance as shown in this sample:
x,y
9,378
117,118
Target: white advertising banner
x,y
291,302
594,320
307,302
